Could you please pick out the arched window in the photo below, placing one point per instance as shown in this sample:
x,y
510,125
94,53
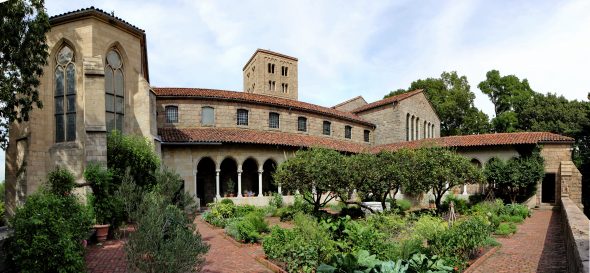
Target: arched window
x,y
408,127
347,132
424,130
417,128
114,91
207,115
327,128
242,117
171,114
433,131
412,128
65,95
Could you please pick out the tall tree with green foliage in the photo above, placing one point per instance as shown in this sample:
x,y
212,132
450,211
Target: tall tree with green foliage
x,y
135,153
314,173
515,178
23,53
507,93
442,169
452,100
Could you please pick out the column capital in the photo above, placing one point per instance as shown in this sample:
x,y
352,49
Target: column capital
x,y
239,172
217,171
260,171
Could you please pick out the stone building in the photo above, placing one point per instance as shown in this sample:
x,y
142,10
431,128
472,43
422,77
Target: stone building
x,y
222,142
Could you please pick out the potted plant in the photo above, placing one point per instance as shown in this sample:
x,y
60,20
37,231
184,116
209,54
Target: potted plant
x,y
230,187
102,200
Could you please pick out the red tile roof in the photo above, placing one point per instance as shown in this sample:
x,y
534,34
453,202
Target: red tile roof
x,y
238,135
480,140
386,101
258,99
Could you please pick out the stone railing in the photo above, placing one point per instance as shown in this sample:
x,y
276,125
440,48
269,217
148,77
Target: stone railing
x,y
576,228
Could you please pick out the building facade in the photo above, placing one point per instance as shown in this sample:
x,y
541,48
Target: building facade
x,y
222,143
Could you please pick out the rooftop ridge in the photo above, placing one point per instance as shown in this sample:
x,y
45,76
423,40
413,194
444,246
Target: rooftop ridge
x,y
58,18
347,101
257,98
385,101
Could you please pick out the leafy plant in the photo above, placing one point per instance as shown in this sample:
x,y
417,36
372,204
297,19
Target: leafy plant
x,y
401,204
421,263
227,201
49,228
506,229
107,207
165,240
361,262
248,228
135,153
461,205
61,181
276,200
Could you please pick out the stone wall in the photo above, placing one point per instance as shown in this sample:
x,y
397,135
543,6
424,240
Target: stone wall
x,y
576,228
391,119
189,116
351,104
256,75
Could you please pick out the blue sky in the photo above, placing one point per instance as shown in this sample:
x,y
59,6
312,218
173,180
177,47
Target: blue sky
x,y
368,48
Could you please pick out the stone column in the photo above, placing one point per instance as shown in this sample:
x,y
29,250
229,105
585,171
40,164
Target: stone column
x,y
217,188
464,189
279,190
239,183
260,182
196,184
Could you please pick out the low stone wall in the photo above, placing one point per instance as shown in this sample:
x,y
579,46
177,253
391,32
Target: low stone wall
x,y
576,228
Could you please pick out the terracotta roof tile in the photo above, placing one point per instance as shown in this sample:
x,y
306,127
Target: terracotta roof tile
x,y
480,140
386,101
259,99
237,135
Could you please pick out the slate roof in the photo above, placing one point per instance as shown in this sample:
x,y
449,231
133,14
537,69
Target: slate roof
x,y
203,93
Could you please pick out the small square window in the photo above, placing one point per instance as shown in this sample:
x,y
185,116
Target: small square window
x,y
367,135
242,117
171,114
207,115
326,128
302,124
273,120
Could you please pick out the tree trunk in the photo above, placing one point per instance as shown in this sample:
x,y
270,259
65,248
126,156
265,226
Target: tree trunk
x,y
383,201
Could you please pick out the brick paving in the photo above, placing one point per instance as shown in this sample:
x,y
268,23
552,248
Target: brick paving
x,y
537,246
224,256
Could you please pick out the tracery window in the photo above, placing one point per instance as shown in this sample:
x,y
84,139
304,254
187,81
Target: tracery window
x,y
65,95
114,92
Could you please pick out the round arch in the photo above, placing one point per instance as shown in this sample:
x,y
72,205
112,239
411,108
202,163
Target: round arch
x,y
268,169
228,176
205,180
250,177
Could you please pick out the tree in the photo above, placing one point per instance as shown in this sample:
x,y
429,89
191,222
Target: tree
x,y
452,100
441,169
315,173
23,53
135,153
507,93
516,178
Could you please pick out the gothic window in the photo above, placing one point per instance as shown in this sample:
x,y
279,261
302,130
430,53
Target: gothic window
x,y
347,132
326,128
367,135
171,114
207,115
65,95
114,91
273,120
302,124
242,117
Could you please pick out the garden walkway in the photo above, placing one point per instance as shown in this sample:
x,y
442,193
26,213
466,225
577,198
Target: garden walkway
x,y
223,256
537,246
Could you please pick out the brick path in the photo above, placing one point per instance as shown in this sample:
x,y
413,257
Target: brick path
x,y
223,256
538,246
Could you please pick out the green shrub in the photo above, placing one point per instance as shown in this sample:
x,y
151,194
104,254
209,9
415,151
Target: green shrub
x,y
391,224
516,210
510,218
248,228
428,228
243,210
276,200
403,204
170,186
135,153
219,214
227,201
460,241
405,248
360,235
421,263
286,213
506,229
165,239
461,205
361,261
48,232
61,181
108,208
303,248
352,211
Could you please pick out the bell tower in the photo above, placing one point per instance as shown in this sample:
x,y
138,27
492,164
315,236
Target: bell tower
x,y
272,74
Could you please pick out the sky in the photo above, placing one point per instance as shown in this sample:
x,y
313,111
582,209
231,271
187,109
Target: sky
x,y
368,48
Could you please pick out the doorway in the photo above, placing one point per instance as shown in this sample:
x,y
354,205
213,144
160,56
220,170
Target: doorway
x,y
548,188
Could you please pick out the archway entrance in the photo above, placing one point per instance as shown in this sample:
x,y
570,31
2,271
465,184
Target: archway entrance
x,y
206,181
228,177
268,185
249,178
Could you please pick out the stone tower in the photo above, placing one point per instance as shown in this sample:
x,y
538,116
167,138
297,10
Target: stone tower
x,y
271,73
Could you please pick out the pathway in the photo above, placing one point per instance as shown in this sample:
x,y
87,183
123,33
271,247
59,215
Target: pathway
x,y
223,256
537,246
